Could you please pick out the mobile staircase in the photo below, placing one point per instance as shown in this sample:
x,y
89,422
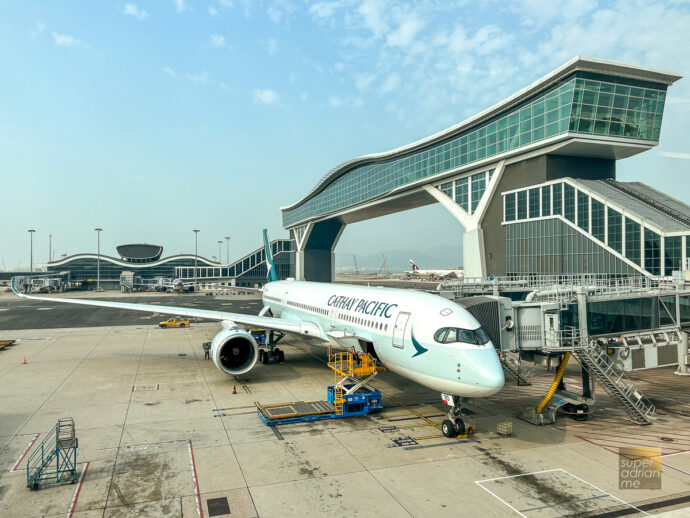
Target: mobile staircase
x,y
55,459
512,365
615,382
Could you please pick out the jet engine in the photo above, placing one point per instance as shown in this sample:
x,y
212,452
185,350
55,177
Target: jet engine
x,y
234,351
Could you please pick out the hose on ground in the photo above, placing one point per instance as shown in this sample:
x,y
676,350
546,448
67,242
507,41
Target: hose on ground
x,y
556,381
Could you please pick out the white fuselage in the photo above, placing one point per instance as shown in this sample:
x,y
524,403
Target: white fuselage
x,y
400,325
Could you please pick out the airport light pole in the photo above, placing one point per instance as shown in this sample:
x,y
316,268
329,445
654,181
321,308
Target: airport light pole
x,y
31,249
50,246
196,258
227,250
98,278
220,257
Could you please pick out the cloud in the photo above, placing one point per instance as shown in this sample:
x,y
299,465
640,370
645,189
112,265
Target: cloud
x,y
674,154
65,40
171,72
217,40
335,102
266,96
200,78
179,5
304,97
373,13
37,30
271,46
212,11
322,11
133,10
406,31
280,11
223,86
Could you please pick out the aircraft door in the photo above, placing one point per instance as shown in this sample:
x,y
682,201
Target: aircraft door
x,y
399,330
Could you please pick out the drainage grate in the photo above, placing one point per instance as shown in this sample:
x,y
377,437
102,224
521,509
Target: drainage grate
x,y
218,506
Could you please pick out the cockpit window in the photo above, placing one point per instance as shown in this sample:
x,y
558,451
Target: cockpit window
x,y
449,335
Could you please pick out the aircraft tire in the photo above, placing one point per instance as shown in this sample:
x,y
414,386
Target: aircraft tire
x,y
280,356
264,358
448,428
459,426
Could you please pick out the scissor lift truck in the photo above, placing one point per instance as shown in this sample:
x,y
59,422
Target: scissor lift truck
x,y
349,396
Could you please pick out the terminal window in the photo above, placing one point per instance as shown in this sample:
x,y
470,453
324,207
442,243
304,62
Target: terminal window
x,y
546,200
673,254
632,241
615,230
569,202
509,207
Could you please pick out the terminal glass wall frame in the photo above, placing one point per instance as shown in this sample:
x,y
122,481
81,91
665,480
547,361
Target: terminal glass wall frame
x,y
583,103
673,254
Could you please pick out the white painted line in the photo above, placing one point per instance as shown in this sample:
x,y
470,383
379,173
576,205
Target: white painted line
x,y
73,504
14,468
612,496
199,509
478,482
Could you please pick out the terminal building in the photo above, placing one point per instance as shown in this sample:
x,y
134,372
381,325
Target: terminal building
x,y
145,266
532,180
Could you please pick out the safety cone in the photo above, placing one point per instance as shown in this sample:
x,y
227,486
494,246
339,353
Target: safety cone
x,y
234,390
24,362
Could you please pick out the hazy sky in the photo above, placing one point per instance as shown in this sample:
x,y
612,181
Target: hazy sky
x,y
150,119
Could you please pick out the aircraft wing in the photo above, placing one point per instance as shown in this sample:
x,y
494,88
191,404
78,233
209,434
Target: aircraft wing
x,y
278,324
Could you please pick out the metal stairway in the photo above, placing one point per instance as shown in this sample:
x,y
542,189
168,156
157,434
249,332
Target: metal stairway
x,y
615,382
513,366
55,459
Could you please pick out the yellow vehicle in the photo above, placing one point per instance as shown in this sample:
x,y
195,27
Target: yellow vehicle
x,y
173,322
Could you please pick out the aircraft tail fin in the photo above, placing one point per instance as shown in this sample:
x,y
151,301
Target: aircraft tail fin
x,y
414,266
271,274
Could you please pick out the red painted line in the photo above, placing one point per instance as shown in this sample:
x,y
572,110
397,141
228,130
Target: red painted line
x,y
70,511
134,387
14,468
199,509
640,435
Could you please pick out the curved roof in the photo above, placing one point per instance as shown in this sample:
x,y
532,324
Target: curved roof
x,y
201,260
140,252
578,63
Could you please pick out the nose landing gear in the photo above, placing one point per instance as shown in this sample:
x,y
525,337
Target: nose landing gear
x,y
454,425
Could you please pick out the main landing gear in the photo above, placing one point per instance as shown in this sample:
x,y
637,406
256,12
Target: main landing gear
x,y
269,339
454,425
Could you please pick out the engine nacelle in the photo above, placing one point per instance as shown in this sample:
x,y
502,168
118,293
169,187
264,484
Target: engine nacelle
x,y
234,351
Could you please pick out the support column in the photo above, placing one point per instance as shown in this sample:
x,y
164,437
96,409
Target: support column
x,y
473,259
683,370
315,256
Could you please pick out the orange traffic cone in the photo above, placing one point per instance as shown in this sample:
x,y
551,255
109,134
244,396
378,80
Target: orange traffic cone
x,y
234,390
24,362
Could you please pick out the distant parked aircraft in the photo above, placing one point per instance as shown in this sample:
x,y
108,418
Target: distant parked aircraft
x,y
433,274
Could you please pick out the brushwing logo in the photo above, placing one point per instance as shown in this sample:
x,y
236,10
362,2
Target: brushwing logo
x,y
418,347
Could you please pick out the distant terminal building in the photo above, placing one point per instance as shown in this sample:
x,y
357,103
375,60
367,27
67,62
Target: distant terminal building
x,y
145,263
531,179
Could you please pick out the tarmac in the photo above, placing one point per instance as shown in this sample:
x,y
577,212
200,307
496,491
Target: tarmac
x,y
162,433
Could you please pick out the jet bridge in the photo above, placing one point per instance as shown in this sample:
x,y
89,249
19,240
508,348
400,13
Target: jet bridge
x,y
611,326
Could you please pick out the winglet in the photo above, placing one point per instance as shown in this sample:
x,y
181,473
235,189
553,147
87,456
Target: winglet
x,y
270,266
14,288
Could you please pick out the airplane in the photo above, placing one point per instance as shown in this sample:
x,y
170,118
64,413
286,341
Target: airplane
x,y
420,336
433,274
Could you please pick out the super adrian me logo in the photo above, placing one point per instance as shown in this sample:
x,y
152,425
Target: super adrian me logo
x,y
368,307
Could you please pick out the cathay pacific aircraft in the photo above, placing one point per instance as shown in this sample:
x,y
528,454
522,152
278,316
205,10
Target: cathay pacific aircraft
x,y
420,336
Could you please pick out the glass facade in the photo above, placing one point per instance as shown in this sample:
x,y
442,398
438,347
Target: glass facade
x,y
551,246
615,228
462,193
478,188
533,203
583,211
632,241
447,189
641,244
598,220
557,199
652,252
546,200
583,103
509,207
673,254
569,202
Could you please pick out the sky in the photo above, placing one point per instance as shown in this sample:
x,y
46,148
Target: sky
x,y
150,119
